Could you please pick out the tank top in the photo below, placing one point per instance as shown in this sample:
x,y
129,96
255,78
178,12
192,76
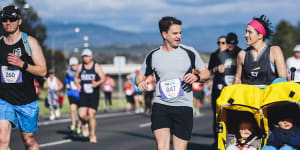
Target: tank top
x,y
258,72
69,79
52,84
16,85
87,76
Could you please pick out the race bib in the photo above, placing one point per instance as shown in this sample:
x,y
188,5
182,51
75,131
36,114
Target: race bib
x,y
150,87
170,88
73,85
10,74
88,88
107,88
229,79
129,92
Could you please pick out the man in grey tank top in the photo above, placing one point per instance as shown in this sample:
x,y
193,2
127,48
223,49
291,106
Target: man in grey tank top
x,y
172,65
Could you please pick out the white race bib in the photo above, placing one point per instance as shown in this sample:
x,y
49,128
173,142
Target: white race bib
x,y
229,79
88,88
73,85
129,92
107,88
11,74
170,88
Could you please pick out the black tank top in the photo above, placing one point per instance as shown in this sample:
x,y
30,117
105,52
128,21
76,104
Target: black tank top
x,y
86,77
258,72
16,85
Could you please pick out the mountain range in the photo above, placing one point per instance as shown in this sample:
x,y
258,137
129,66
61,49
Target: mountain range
x,y
204,38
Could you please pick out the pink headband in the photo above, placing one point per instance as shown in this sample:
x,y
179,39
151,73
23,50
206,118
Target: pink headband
x,y
258,26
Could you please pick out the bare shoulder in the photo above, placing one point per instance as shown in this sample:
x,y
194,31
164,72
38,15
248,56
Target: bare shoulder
x,y
275,49
241,54
98,67
32,40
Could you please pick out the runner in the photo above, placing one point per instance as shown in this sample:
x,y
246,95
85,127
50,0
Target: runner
x,y
88,78
73,94
148,95
108,88
21,58
138,95
172,64
198,96
128,87
294,61
260,64
54,85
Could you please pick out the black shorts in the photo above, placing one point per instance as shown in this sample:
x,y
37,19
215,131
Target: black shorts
x,y
178,118
130,99
198,95
73,100
89,100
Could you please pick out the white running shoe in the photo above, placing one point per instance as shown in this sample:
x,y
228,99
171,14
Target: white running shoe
x,y
85,130
52,117
57,113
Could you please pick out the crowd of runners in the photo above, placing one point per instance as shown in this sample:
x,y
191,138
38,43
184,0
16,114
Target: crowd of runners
x,y
173,75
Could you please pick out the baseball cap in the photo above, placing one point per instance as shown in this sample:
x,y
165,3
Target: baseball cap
x,y
87,52
297,48
73,61
231,38
11,11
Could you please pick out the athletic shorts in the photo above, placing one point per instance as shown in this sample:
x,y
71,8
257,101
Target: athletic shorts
x,y
73,100
198,95
24,117
89,100
178,118
130,99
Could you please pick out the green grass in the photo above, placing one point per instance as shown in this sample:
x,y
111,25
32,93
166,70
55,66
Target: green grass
x,y
116,104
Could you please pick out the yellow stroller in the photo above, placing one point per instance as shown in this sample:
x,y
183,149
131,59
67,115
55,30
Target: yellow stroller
x,y
280,100
238,102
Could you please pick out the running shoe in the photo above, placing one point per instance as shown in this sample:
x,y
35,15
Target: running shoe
x,y
57,113
93,139
78,131
72,128
52,117
85,131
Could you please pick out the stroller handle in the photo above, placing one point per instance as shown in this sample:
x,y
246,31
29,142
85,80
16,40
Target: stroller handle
x,y
293,70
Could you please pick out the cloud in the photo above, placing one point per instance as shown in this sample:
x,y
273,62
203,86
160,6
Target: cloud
x,y
140,15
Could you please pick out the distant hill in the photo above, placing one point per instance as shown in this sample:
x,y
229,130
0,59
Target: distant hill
x,y
204,38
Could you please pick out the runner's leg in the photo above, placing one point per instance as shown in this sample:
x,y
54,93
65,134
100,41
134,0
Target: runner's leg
x,y
162,137
179,144
5,131
30,142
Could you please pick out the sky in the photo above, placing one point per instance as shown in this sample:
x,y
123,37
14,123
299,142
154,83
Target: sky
x,y
143,15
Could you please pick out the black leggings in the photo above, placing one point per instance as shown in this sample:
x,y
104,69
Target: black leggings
x,y
107,97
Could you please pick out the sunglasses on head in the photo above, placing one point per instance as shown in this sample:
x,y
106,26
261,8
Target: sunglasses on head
x,y
221,42
11,19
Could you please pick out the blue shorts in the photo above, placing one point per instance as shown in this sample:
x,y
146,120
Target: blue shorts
x,y
24,117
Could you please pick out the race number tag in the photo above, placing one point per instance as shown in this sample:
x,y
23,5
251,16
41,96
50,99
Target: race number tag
x,y
129,92
88,88
73,85
107,88
11,74
170,88
229,79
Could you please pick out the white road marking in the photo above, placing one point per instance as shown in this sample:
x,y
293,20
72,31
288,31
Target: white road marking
x,y
55,143
145,125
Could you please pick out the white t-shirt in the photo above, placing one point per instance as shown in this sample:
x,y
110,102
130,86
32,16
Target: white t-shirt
x,y
293,62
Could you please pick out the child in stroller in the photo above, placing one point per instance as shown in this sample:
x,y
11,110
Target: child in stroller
x,y
246,138
285,134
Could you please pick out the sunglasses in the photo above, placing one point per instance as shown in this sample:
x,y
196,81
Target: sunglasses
x,y
221,42
11,19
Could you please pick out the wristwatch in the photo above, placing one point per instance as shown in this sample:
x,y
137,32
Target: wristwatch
x,y
25,65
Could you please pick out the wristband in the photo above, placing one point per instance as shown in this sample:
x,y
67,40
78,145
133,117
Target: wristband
x,y
198,77
25,65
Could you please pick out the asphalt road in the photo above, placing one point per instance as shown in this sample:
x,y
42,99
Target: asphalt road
x,y
115,131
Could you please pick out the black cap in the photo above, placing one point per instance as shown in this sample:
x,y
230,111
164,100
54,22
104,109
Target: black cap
x,y
11,11
231,38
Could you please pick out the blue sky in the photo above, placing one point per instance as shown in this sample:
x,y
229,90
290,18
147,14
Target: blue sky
x,y
143,15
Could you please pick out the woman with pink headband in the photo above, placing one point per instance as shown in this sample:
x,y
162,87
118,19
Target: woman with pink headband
x,y
260,64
